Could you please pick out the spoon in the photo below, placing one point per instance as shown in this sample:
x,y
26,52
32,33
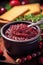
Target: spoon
x,y
37,23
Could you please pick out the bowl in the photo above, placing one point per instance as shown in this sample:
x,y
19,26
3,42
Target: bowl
x,y
20,47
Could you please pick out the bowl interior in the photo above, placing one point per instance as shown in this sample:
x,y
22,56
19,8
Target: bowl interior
x,y
6,26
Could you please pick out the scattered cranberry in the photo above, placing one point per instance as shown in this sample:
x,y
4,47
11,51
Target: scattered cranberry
x,y
23,59
18,60
1,52
2,10
41,60
24,2
14,2
40,44
29,57
34,55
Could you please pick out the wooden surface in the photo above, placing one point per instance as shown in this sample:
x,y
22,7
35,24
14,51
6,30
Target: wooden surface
x,y
8,58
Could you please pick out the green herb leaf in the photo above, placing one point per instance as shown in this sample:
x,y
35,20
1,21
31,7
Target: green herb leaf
x,y
8,7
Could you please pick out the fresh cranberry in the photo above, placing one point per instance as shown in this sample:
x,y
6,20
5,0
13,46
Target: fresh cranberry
x,y
34,55
24,2
14,2
40,45
29,57
23,59
2,10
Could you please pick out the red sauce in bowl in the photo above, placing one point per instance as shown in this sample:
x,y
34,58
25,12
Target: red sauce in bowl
x,y
21,32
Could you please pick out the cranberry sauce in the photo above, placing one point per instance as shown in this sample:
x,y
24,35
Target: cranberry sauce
x,y
21,32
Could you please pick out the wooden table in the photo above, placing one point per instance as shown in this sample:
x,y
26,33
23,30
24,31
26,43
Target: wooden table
x,y
8,58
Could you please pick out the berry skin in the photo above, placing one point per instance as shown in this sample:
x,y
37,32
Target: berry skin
x,y
24,2
34,55
14,3
40,45
23,59
29,57
2,10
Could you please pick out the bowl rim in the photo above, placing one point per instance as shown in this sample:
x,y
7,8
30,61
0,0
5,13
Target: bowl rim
x,y
19,40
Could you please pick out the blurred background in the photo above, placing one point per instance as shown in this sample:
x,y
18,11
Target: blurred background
x,y
2,2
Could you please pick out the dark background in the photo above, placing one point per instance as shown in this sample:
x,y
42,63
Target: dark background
x,y
31,1
4,2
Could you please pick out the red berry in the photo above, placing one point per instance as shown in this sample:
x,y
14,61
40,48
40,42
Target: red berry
x,y
41,60
24,2
40,45
2,10
23,59
29,57
34,55
14,2
1,52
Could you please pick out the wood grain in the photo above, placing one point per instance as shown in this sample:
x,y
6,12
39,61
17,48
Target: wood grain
x,y
8,58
